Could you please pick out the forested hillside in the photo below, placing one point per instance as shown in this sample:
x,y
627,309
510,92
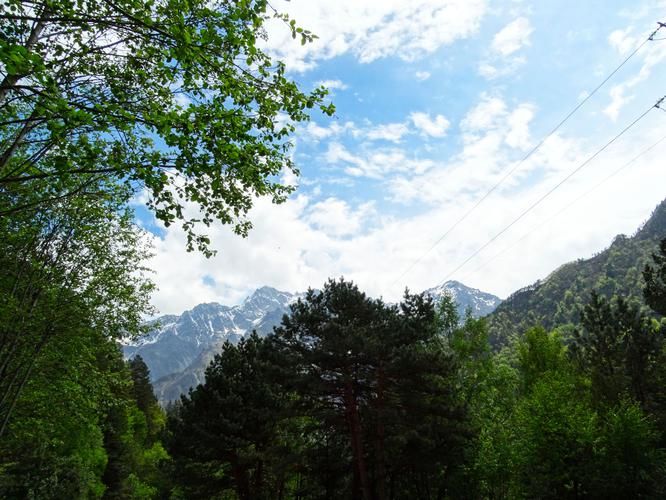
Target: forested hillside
x,y
354,398
557,300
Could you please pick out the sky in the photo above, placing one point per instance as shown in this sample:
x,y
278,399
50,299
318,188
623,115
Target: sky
x,y
436,100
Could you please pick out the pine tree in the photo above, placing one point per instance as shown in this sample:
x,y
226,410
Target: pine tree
x,y
144,396
142,387
655,281
621,349
377,374
225,433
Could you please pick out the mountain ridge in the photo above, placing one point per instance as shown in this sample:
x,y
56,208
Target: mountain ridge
x,y
177,340
555,301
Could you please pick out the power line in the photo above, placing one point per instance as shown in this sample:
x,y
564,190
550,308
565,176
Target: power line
x,y
529,154
569,205
543,197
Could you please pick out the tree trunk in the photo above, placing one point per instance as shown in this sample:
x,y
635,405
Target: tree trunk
x,y
241,480
381,435
356,440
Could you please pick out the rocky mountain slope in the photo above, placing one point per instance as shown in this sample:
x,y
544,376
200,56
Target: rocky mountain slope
x,y
181,347
177,341
556,300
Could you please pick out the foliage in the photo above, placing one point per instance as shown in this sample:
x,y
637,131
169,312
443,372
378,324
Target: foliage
x,y
175,99
58,442
655,281
541,435
225,434
101,102
349,397
70,267
621,348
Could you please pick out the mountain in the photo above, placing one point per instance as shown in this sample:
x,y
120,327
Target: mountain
x,y
478,302
178,341
556,300
180,348
171,386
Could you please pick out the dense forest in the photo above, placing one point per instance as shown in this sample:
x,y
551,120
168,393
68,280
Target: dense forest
x,y
354,398
350,397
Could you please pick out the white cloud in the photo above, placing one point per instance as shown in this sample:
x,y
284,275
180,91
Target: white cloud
x,y
489,133
503,59
421,187
519,120
314,131
512,37
433,127
308,239
336,218
618,100
302,242
422,75
372,29
333,84
503,67
652,54
621,41
485,114
376,163
393,132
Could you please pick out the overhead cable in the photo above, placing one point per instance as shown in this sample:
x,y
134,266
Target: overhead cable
x,y
543,223
528,155
554,188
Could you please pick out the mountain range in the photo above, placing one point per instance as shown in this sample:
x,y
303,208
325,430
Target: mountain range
x,y
179,348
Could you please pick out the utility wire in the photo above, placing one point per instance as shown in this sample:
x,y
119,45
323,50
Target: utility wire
x,y
528,155
543,223
554,188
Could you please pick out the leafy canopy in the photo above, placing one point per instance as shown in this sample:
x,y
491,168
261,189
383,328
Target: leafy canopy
x,y
174,98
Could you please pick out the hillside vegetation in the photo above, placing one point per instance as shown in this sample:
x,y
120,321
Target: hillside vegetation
x,y
557,300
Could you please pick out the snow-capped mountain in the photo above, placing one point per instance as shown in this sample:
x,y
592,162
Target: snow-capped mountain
x,y
181,347
177,341
480,303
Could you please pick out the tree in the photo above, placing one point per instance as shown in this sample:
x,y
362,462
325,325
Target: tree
x,y
76,431
224,434
539,353
173,98
53,445
631,463
132,424
143,389
377,375
542,434
488,387
621,348
655,281
144,396
70,266
556,426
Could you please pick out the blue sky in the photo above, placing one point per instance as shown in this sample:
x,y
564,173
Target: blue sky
x,y
435,100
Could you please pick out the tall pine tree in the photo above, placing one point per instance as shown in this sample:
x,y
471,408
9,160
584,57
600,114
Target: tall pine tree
x,y
655,281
